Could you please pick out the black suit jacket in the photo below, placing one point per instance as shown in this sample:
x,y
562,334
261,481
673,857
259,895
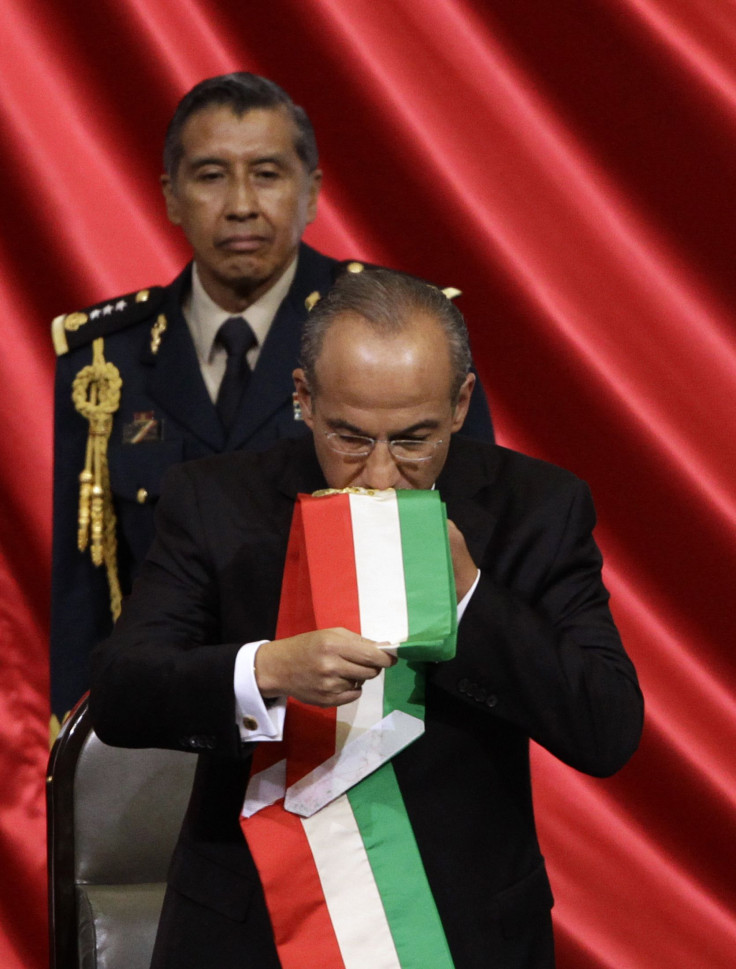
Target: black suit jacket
x,y
166,385
538,656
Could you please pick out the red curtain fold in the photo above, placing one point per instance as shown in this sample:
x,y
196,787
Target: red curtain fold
x,y
569,166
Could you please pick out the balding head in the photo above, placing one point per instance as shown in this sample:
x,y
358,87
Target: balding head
x,y
388,302
384,382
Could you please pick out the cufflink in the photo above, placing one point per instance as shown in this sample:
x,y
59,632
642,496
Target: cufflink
x,y
250,723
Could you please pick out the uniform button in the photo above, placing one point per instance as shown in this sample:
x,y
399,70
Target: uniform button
x,y
142,496
463,685
491,700
250,723
355,267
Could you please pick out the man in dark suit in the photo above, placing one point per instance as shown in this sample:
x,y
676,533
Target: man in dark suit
x,y
384,385
141,379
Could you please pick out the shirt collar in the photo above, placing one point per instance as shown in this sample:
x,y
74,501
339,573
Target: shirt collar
x,y
204,317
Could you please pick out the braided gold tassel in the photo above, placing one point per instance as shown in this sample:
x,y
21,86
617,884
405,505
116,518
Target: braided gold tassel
x,y
96,395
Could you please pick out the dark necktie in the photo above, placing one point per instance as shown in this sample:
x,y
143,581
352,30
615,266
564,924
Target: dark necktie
x,y
237,337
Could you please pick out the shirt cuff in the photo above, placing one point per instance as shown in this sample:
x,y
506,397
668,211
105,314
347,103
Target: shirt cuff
x,y
462,605
255,720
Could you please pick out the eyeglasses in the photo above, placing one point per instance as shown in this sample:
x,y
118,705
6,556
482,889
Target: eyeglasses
x,y
359,446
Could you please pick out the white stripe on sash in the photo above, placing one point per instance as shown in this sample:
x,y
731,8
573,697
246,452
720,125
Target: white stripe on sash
x,y
380,567
380,577
350,890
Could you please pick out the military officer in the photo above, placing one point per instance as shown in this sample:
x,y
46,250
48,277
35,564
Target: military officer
x,y
197,367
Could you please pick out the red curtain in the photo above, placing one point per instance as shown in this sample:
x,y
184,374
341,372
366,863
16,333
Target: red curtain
x,y
568,165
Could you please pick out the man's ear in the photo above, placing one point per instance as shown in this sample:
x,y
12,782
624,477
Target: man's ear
x,y
463,402
304,396
314,188
172,199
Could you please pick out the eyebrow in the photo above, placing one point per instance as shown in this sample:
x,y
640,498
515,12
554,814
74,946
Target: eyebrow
x,y
427,425
195,163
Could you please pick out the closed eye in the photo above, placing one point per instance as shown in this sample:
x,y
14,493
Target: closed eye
x,y
354,440
209,175
410,443
267,174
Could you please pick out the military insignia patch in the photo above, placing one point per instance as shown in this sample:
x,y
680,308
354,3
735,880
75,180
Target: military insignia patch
x,y
157,331
109,309
144,427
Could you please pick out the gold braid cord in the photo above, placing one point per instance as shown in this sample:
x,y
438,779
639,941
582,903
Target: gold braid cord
x,y
96,395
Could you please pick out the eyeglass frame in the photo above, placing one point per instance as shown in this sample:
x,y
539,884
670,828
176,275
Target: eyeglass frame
x,y
390,443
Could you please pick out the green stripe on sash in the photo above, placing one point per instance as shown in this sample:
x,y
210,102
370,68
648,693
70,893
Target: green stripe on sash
x,y
397,867
430,581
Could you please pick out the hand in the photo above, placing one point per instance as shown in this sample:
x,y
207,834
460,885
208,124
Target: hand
x,y
463,565
325,668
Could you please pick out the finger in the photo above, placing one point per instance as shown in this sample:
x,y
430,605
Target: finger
x,y
347,696
350,638
371,655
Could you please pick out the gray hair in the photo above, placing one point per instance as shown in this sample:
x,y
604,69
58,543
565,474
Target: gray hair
x,y
386,300
241,92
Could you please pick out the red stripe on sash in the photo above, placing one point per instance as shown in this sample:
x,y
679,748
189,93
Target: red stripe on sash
x,y
301,923
296,614
326,529
299,916
328,526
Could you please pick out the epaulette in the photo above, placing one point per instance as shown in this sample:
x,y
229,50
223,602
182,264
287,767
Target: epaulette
x,y
355,266
72,330
95,393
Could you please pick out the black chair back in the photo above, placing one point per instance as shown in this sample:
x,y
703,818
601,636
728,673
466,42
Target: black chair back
x,y
113,818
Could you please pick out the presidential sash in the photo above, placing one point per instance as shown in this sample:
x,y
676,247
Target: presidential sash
x,y
323,814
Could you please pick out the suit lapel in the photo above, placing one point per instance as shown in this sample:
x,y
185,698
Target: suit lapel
x,y
467,476
302,475
174,379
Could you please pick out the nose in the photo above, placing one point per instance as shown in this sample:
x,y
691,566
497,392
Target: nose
x,y
242,199
380,471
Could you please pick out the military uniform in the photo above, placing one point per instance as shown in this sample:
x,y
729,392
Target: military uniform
x,y
130,401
